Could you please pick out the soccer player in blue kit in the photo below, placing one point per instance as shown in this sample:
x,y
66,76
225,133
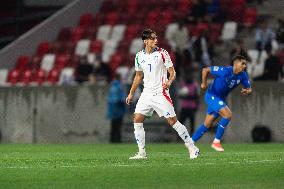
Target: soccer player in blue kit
x,y
226,79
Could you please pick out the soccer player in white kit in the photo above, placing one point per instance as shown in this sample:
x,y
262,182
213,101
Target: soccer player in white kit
x,y
153,63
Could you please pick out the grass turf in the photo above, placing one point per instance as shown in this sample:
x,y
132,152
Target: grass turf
x,y
168,166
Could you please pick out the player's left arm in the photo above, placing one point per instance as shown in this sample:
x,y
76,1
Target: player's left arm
x,y
172,77
246,90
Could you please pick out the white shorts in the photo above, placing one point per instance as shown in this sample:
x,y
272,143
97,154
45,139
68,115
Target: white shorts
x,y
160,102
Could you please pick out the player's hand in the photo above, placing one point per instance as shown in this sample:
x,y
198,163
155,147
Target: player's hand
x,y
246,91
129,99
204,86
166,85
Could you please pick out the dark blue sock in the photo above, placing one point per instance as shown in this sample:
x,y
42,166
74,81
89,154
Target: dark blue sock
x,y
198,134
221,128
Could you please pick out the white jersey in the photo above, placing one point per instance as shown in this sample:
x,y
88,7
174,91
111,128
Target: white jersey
x,y
154,67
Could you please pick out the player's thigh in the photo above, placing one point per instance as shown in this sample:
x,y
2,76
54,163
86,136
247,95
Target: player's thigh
x,y
209,119
225,112
215,104
143,107
163,107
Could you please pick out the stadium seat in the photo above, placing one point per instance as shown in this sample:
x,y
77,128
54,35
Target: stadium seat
x,y
166,18
42,48
117,32
103,33
61,61
90,33
34,64
250,17
64,34
74,60
136,45
96,47
26,77
67,76
132,31
53,76
132,6
82,47
112,18
229,31
86,20
22,63
47,62
3,76
109,49
255,68
170,29
39,77
184,6
13,76
77,33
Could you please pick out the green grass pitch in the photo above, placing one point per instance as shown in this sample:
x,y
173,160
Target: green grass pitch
x,y
168,166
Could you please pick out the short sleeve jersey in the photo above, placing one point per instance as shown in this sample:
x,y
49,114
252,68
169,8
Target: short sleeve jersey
x,y
225,81
154,67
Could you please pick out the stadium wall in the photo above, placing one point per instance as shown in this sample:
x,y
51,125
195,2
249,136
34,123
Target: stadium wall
x,y
46,31
76,114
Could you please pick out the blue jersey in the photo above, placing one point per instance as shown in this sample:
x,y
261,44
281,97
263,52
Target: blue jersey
x,y
225,81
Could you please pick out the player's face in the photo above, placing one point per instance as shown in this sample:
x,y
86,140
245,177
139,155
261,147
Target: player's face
x,y
152,42
240,65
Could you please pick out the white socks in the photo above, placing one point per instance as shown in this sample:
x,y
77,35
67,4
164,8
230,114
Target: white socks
x,y
140,136
182,132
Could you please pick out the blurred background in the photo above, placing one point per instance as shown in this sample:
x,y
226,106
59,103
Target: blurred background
x,y
66,66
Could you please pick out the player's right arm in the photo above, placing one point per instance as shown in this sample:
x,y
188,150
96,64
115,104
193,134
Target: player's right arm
x,y
205,73
137,79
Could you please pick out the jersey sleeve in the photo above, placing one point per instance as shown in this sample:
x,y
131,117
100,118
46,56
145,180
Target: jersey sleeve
x,y
137,63
245,80
218,71
166,58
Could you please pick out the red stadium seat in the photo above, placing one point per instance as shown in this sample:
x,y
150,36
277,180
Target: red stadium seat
x,y
112,18
90,33
22,63
132,6
39,77
250,17
86,20
166,18
96,47
64,34
53,76
42,48
132,31
61,61
184,6
34,64
73,62
13,76
26,77
77,33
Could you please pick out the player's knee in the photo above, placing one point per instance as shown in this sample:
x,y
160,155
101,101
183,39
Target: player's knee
x,y
228,115
172,121
137,119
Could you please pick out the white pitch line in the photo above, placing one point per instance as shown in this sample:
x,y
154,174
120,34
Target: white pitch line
x,y
142,165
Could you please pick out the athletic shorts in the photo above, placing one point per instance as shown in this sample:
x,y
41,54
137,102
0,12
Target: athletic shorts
x,y
159,102
214,104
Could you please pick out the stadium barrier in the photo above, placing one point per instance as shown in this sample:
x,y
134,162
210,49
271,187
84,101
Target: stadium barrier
x,y
77,114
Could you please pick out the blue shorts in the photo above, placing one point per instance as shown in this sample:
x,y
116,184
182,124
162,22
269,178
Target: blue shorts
x,y
215,104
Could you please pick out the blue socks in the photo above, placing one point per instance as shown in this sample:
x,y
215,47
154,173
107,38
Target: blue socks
x,y
221,128
198,134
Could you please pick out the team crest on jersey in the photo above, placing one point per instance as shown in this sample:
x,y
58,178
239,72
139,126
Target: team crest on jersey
x,y
221,102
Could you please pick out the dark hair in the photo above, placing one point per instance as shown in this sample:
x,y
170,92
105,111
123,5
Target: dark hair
x,y
238,57
146,34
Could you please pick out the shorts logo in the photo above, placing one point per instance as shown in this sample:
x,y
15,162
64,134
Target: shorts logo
x,y
238,81
215,68
212,97
168,113
221,103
